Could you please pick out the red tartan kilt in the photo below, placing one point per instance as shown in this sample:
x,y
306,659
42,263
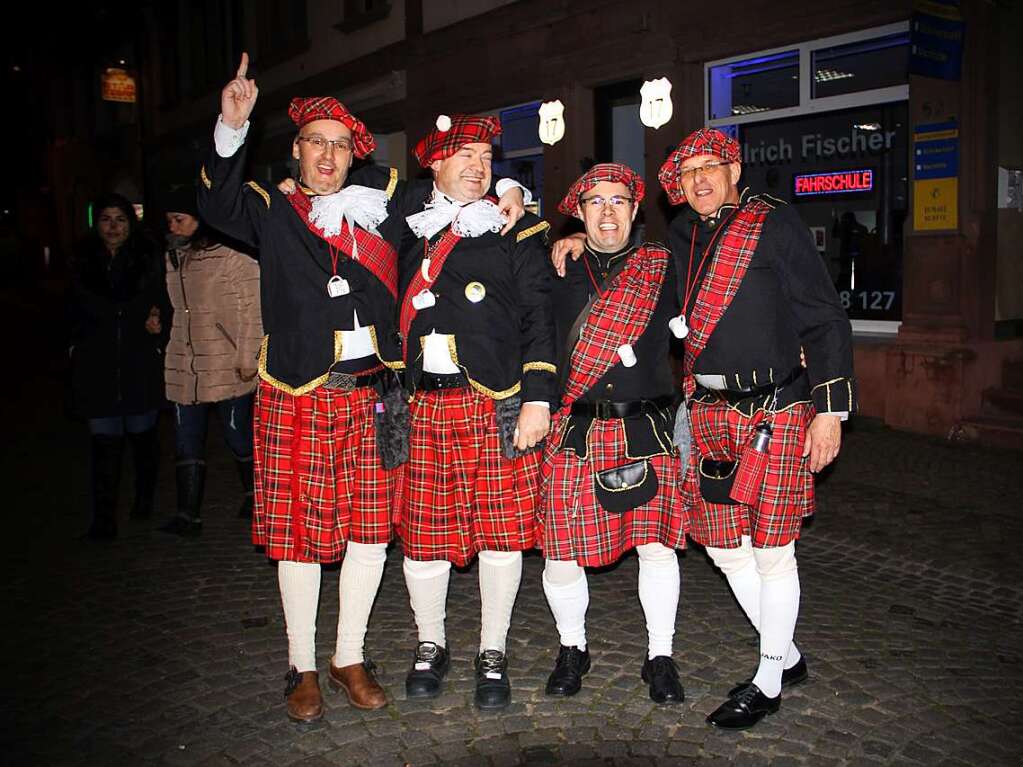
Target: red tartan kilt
x,y
572,525
318,478
458,494
721,433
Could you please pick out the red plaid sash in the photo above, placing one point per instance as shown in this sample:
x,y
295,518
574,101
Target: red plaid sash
x,y
618,317
375,254
724,275
437,253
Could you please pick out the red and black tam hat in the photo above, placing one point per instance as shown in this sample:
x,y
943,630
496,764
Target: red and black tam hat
x,y
605,171
303,111
452,133
704,141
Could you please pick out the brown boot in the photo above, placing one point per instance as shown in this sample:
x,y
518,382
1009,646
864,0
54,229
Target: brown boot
x,y
305,703
359,684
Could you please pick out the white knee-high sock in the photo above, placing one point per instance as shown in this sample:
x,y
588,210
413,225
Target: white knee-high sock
x,y
740,568
427,584
779,610
659,585
500,575
361,572
300,596
568,595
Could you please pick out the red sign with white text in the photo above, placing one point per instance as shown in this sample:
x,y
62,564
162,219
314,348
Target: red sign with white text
x,y
837,182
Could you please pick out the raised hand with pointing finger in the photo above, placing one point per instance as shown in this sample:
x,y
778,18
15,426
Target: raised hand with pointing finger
x,y
239,96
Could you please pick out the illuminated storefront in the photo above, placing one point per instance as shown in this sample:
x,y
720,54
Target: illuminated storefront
x,y
824,126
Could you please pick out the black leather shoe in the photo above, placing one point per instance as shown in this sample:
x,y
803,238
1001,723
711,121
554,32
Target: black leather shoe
x,y
744,709
493,690
661,674
567,677
789,677
429,665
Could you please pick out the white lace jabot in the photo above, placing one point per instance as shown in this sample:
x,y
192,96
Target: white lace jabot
x,y
467,219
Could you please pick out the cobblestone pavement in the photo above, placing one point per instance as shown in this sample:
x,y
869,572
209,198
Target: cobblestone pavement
x,y
153,650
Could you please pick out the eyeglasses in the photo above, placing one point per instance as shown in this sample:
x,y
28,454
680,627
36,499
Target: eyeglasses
x,y
597,202
689,174
319,143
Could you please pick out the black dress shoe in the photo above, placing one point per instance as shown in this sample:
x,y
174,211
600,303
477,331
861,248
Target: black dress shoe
x,y
493,690
567,677
789,677
744,709
429,665
661,674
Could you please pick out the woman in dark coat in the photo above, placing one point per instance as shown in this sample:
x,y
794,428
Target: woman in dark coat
x,y
118,309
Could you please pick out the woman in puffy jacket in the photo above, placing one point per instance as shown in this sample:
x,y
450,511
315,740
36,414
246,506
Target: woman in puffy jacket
x,y
212,356
117,307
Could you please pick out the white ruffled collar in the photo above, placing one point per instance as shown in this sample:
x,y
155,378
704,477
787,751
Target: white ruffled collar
x,y
354,205
466,219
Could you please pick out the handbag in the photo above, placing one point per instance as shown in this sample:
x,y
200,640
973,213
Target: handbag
x,y
627,487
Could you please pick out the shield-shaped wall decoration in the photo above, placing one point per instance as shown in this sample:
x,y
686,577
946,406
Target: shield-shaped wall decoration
x,y
552,122
655,109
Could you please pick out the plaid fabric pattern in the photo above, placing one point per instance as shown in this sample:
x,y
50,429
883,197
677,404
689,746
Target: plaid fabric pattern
x,y
375,254
617,318
459,495
721,282
571,524
787,495
605,171
303,111
465,129
318,478
703,141
438,254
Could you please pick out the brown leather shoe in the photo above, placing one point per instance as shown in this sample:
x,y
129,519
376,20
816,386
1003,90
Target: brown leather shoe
x,y
305,703
359,684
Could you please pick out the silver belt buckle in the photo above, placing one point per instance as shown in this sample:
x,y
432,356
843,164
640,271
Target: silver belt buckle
x,y
342,381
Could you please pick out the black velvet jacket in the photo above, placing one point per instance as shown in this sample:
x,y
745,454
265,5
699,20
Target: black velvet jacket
x,y
301,321
505,342
786,301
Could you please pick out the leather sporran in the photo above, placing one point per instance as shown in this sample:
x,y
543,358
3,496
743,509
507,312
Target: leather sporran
x,y
392,422
716,480
627,487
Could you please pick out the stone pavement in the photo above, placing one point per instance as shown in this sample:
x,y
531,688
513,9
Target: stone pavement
x,y
153,650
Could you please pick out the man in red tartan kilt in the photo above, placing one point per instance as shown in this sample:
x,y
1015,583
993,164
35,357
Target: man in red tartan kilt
x,y
612,472
329,409
755,293
479,348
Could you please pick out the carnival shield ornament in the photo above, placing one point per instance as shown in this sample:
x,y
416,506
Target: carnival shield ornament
x,y
552,122
656,108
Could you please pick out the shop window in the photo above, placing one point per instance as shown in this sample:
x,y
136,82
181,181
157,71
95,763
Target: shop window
x,y
845,172
861,66
521,153
756,84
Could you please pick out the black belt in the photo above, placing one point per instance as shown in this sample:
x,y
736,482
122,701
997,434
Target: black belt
x,y
734,396
351,381
605,409
438,381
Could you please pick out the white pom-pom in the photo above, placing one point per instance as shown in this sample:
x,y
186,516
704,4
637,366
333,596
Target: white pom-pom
x,y
443,123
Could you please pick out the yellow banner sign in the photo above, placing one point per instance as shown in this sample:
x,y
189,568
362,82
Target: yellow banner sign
x,y
935,204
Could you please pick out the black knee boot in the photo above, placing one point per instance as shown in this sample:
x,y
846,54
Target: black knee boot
x,y
106,481
191,478
245,475
146,452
